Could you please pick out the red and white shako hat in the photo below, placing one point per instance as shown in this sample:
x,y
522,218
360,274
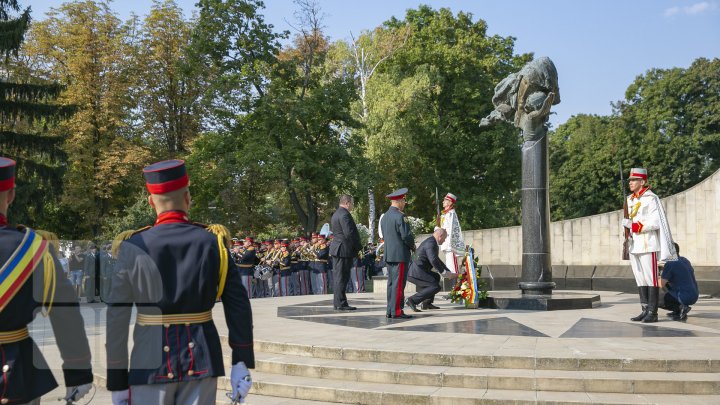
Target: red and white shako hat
x,y
451,197
166,176
638,173
7,174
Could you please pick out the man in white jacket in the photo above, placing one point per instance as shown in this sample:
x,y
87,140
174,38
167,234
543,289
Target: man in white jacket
x,y
651,241
454,245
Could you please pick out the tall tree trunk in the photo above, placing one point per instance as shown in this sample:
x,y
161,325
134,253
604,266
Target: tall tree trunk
x,y
371,214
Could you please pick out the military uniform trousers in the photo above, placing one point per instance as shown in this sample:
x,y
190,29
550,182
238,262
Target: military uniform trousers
x,y
304,278
197,392
247,275
294,279
283,287
397,276
357,279
645,269
274,283
319,278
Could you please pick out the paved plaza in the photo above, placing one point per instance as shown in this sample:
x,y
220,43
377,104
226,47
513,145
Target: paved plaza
x,y
308,353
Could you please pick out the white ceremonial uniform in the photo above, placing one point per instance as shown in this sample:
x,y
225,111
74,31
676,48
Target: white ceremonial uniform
x,y
651,239
454,245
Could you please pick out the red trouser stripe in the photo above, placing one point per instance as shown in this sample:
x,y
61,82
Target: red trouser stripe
x,y
399,291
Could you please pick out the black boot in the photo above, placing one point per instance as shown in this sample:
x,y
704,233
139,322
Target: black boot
x,y
643,290
652,308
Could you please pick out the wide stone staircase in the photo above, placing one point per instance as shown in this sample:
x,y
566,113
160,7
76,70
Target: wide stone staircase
x,y
288,373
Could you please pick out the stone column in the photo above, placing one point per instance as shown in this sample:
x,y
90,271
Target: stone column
x,y
536,264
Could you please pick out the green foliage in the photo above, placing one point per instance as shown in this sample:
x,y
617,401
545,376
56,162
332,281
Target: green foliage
x,y
425,103
28,111
169,84
668,123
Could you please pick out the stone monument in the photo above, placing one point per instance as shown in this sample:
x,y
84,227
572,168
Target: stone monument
x,y
524,99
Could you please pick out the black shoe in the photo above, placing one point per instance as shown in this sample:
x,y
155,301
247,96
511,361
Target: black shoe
x,y
388,316
412,305
673,314
428,305
403,316
682,315
346,308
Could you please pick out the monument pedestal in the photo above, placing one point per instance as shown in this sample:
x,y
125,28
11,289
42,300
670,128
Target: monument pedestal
x,y
544,302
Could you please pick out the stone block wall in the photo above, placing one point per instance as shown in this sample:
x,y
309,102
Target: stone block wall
x,y
694,217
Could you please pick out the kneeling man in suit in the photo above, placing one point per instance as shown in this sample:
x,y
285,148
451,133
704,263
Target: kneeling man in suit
x,y
421,270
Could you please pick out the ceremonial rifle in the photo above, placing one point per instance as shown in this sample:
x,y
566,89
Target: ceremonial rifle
x,y
437,208
626,242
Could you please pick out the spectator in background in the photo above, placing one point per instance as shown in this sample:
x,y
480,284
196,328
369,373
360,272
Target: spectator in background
x,y
91,269
76,262
678,279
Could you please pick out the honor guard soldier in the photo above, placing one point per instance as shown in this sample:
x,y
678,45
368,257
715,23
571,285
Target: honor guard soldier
x,y
399,242
246,264
174,272
454,245
321,252
283,263
304,266
32,279
651,241
295,266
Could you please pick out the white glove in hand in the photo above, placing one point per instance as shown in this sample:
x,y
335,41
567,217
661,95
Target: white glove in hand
x,y
240,385
121,397
627,223
75,393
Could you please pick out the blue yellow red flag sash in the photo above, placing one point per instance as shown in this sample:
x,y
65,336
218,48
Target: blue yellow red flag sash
x,y
18,269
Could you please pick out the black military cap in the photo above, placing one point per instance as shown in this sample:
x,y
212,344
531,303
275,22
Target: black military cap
x,y
398,194
166,176
7,174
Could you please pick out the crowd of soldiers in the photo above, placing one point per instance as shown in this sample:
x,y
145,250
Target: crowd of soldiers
x,y
300,266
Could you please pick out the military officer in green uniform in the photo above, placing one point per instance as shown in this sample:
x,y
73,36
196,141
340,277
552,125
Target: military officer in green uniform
x,y
399,242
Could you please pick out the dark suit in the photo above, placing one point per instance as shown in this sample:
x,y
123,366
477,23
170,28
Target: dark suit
x,y
343,250
399,241
421,273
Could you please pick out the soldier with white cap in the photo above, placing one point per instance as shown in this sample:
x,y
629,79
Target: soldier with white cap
x,y
651,241
454,244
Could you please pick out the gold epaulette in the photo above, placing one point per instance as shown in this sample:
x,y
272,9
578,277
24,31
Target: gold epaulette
x,y
286,254
221,230
50,237
251,248
122,237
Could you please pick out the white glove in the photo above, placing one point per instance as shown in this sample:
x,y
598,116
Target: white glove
x,y
627,223
75,393
121,397
240,380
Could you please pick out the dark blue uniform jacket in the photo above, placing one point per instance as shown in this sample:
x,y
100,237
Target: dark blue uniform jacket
x,y
173,268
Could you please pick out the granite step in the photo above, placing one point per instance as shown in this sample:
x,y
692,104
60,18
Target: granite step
x,y
254,399
460,359
353,392
626,382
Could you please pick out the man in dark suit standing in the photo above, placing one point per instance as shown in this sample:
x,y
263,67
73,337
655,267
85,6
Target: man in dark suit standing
x,y
343,250
421,274
399,241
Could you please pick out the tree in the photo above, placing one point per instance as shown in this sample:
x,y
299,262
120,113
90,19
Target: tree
x,y
87,49
667,123
27,113
425,103
169,86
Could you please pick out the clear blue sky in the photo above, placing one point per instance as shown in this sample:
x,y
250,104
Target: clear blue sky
x,y
598,46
